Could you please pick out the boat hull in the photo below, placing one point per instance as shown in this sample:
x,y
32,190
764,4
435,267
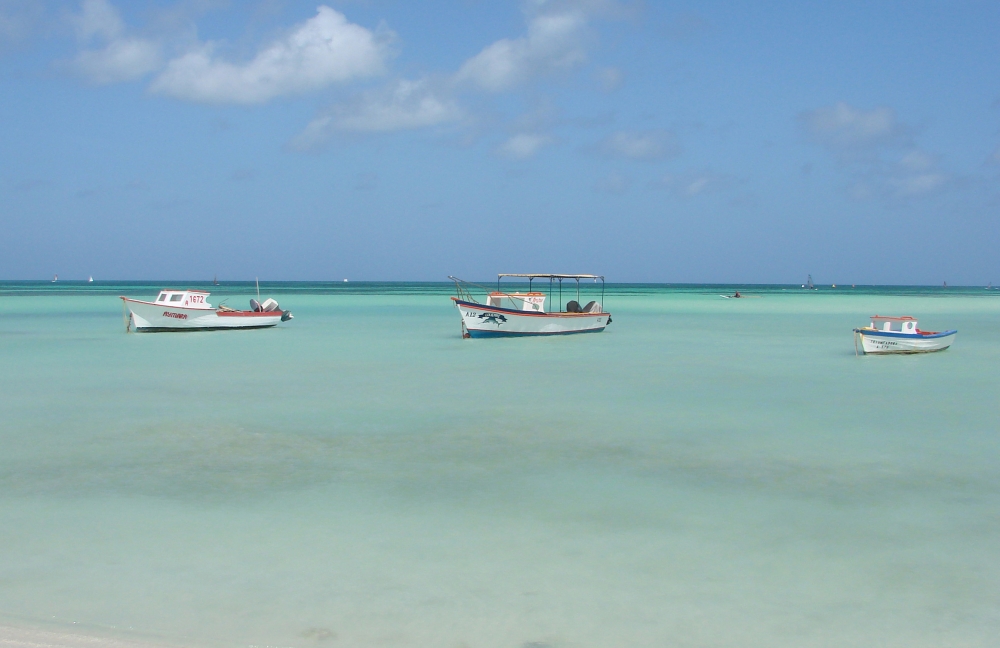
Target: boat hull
x,y
489,321
886,342
148,317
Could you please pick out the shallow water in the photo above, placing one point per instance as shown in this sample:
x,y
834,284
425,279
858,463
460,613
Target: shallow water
x,y
706,472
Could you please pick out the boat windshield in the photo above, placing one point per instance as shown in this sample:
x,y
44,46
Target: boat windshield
x,y
894,324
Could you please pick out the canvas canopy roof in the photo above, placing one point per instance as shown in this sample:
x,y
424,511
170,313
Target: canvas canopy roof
x,y
553,276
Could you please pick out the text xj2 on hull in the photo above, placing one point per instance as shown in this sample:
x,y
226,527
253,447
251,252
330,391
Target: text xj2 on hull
x,y
518,314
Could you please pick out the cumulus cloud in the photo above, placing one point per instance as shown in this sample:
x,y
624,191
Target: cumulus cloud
x,y
17,21
609,78
553,42
694,183
614,183
843,126
644,145
402,105
918,184
97,18
324,50
877,152
117,57
912,175
523,145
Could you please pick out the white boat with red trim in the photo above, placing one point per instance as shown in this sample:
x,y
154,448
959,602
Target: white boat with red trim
x,y
189,310
508,313
900,335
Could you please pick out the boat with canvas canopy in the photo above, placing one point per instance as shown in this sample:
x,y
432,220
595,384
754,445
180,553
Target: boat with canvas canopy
x,y
900,335
506,313
189,310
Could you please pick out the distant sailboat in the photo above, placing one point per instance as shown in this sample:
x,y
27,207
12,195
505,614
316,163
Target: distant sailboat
x,y
809,284
55,278
215,280
90,280
990,286
944,285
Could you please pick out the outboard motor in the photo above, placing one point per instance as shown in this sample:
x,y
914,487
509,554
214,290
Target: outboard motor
x,y
255,305
269,306
573,306
592,307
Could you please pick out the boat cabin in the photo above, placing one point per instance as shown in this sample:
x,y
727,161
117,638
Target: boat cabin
x,y
894,324
183,299
532,301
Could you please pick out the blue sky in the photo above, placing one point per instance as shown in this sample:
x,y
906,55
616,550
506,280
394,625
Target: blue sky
x,y
648,141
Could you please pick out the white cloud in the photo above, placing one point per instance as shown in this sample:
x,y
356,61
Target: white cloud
x,y
610,78
843,126
18,19
97,18
614,183
121,58
645,145
125,59
918,184
324,50
695,183
403,105
916,160
523,145
553,42
877,153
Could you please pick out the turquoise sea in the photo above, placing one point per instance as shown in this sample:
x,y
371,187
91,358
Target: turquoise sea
x,y
705,473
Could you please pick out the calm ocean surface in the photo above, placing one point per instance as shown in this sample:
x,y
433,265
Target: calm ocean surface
x,y
706,472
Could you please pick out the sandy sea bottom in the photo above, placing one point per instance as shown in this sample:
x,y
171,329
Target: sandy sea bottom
x,y
707,472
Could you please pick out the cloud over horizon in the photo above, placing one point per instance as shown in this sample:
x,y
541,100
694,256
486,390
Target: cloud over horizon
x,y
119,57
523,145
324,50
402,105
877,152
843,127
643,145
553,42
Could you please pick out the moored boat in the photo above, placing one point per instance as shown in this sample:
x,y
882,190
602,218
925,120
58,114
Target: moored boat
x,y
525,313
900,335
189,310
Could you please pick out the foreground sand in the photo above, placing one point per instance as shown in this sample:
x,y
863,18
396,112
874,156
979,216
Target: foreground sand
x,y
13,637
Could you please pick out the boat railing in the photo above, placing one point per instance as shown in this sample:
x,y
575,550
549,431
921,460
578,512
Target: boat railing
x,y
462,288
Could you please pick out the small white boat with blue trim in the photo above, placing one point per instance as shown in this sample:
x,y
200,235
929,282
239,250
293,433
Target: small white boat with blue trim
x,y
189,310
900,335
525,313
